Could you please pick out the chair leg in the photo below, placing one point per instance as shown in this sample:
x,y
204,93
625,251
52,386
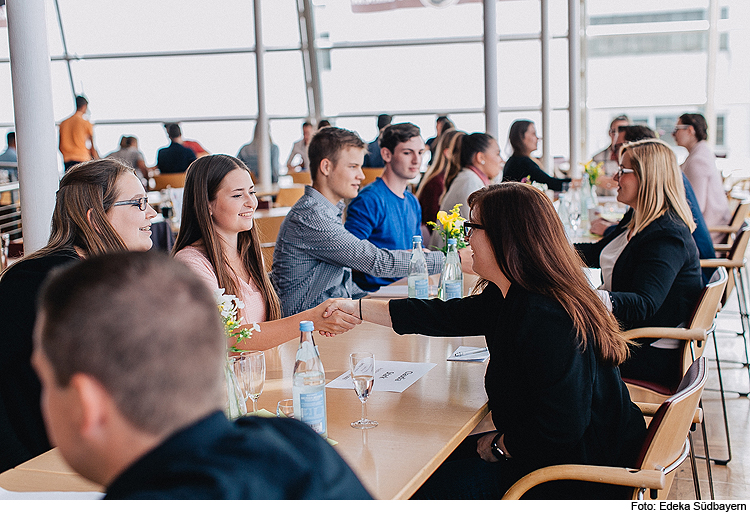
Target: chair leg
x,y
742,303
722,462
696,483
708,455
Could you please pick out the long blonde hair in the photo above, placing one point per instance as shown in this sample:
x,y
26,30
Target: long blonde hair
x,y
449,166
660,183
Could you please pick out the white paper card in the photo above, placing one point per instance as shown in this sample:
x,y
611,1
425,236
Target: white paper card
x,y
466,353
398,291
390,376
50,495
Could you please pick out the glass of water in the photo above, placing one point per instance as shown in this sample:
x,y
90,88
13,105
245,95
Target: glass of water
x,y
362,366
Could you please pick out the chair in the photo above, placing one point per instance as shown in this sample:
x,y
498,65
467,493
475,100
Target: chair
x,y
738,218
303,178
694,335
170,179
288,196
666,446
371,174
268,226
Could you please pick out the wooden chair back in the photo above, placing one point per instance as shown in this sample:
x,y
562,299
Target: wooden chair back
x,y
703,317
288,196
302,178
171,179
665,444
735,259
371,175
268,224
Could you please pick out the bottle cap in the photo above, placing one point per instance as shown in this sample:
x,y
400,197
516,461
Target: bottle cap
x,y
451,241
306,326
416,238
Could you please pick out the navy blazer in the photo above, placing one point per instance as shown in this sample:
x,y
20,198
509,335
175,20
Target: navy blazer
x,y
657,279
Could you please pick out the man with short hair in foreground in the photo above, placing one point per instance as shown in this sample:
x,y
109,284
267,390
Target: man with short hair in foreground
x,y
130,351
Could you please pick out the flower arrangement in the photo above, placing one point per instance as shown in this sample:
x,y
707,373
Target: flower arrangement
x,y
228,306
451,226
541,186
594,171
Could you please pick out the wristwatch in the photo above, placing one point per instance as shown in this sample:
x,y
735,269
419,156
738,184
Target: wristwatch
x,y
495,448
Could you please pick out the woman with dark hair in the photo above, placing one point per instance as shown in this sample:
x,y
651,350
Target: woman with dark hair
x,y
700,169
481,162
552,381
523,140
446,164
219,240
651,273
101,207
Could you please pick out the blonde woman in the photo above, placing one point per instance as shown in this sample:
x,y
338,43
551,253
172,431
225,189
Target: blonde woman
x,y
651,273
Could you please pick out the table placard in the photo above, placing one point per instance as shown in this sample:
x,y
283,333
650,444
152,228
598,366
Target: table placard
x,y
390,376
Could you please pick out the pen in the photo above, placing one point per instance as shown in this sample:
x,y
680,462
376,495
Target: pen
x,y
470,352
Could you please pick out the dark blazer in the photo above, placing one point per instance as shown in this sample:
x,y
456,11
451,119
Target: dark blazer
x,y
553,400
519,167
174,158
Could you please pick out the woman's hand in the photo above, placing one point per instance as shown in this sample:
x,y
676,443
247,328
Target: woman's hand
x,y
330,320
349,306
484,447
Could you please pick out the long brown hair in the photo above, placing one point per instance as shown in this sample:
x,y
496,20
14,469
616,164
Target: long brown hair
x,y
531,250
79,220
202,181
449,167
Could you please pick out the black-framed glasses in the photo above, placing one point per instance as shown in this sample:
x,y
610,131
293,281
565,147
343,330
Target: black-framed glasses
x,y
469,227
142,203
622,170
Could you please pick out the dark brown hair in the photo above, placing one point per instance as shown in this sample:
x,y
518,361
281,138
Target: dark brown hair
x,y
535,255
699,124
202,181
515,136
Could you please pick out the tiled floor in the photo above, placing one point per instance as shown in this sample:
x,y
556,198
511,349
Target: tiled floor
x,y
731,481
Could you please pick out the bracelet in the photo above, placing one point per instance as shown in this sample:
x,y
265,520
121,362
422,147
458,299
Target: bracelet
x,y
360,308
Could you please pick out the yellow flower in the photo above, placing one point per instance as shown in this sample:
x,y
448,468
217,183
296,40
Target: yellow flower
x,y
442,217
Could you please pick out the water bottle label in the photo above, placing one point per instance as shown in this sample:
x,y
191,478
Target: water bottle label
x,y
313,409
421,289
453,290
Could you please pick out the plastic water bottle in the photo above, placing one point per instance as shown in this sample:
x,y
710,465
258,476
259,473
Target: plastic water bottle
x,y
452,278
308,383
418,278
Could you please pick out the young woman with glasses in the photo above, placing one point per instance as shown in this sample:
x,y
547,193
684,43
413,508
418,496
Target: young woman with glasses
x,y
552,382
218,239
651,273
101,207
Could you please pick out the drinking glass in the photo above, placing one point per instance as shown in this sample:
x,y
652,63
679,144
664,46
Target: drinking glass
x,y
250,370
363,376
285,408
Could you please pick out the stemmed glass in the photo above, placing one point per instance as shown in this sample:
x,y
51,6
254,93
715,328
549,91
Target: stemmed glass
x,y
250,370
363,376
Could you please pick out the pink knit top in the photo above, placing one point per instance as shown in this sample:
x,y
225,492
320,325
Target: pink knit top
x,y
196,260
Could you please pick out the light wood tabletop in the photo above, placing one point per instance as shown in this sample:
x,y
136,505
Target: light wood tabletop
x,y
417,429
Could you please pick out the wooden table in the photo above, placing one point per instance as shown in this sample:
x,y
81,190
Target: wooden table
x,y
418,428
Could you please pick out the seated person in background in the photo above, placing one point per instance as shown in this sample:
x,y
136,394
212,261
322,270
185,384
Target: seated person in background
x,y
373,159
175,157
523,140
385,212
315,254
691,132
130,154
298,160
651,273
100,207
447,164
609,156
134,391
219,241
701,235
249,155
442,124
552,382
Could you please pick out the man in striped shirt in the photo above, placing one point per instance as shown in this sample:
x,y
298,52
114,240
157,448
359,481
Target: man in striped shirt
x,y
315,254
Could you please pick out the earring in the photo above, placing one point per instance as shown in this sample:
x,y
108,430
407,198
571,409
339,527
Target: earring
x,y
482,162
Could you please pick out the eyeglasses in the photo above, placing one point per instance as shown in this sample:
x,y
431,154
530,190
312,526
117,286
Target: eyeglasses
x,y
142,203
680,127
622,170
470,227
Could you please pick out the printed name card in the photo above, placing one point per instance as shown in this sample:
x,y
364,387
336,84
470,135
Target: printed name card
x,y
390,376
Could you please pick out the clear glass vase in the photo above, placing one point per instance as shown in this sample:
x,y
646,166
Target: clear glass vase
x,y
235,406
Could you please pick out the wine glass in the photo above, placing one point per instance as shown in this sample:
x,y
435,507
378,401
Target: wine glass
x,y
363,376
250,370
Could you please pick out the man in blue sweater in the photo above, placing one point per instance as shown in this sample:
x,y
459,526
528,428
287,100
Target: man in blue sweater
x,y
385,212
133,392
